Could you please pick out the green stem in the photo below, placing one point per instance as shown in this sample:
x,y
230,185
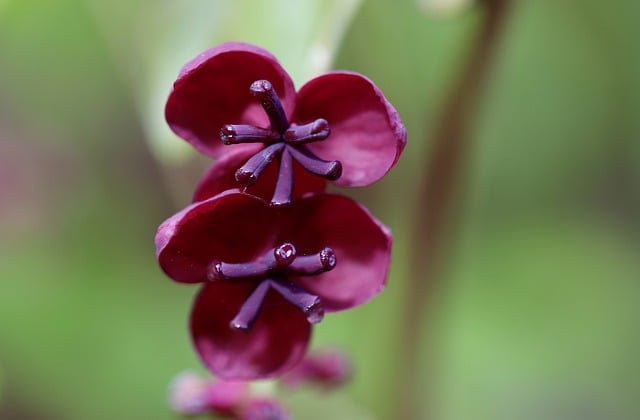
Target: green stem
x,y
435,226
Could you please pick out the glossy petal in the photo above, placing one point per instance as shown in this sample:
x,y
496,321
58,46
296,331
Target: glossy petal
x,y
276,342
362,245
230,227
221,177
213,90
367,135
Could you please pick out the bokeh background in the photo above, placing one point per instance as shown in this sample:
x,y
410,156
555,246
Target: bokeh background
x,y
535,314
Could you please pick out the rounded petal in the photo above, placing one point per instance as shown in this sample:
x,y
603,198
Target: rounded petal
x,y
221,177
367,135
361,243
276,342
230,227
213,90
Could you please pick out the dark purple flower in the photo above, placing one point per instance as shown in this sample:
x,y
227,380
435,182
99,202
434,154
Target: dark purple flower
x,y
270,273
339,126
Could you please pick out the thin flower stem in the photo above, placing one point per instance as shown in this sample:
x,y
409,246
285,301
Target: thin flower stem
x,y
434,229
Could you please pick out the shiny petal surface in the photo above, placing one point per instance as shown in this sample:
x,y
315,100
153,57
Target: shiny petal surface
x,y
230,227
276,342
367,135
221,177
213,90
362,245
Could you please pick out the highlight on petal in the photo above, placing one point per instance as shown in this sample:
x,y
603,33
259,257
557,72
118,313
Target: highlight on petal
x,y
362,246
221,177
213,90
231,227
367,134
276,342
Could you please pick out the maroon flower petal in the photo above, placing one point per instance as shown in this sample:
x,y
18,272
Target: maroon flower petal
x,y
230,227
213,90
276,342
361,243
367,135
221,177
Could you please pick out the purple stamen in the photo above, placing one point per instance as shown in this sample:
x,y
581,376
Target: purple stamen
x,y
284,183
318,263
242,271
266,94
307,133
248,173
241,133
306,302
330,170
250,308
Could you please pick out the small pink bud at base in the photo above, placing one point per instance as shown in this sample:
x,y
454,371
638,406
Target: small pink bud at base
x,y
329,370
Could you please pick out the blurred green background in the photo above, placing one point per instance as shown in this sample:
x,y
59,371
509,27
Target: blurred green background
x,y
536,315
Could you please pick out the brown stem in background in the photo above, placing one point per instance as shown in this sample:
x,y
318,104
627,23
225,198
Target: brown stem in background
x,y
435,225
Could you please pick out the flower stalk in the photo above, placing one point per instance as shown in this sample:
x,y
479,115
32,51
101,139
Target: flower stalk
x,y
433,230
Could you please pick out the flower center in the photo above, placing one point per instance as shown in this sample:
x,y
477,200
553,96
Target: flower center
x,y
284,142
272,272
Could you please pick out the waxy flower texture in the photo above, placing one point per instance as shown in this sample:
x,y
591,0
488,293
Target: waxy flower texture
x,y
272,250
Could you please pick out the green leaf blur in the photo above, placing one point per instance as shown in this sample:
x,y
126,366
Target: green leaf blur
x,y
536,316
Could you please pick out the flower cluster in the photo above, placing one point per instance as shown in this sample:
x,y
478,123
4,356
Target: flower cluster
x,y
272,249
